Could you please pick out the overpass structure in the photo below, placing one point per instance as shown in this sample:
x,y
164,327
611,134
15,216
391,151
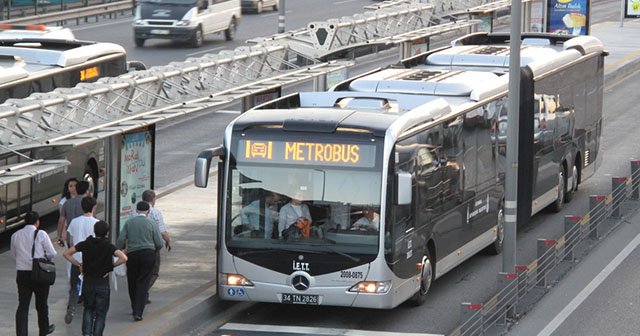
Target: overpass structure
x,y
92,111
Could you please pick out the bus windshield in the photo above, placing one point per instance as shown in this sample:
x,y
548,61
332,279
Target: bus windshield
x,y
317,208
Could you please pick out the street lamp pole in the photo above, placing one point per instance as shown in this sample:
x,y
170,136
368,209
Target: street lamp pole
x,y
513,122
280,16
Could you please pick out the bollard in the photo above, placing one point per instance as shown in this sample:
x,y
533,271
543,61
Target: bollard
x,y
618,191
572,234
544,259
507,296
471,319
635,179
597,213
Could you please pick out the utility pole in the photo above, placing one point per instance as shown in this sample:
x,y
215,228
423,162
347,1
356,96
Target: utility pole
x,y
513,122
280,16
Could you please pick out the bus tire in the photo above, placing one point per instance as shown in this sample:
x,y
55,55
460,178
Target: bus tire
x,y
139,42
230,33
558,204
496,247
197,39
426,279
568,196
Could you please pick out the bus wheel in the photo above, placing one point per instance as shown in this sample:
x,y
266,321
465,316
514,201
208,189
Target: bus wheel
x,y
197,38
230,33
426,277
496,247
559,202
568,196
139,42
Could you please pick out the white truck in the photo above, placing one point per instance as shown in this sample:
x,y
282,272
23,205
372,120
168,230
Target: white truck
x,y
185,20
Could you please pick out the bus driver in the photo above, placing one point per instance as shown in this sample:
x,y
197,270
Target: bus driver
x,y
370,221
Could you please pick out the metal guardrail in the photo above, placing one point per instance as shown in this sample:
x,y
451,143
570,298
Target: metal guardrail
x,y
492,316
75,14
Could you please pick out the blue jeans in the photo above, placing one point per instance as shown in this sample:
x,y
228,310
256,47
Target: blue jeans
x,y
95,295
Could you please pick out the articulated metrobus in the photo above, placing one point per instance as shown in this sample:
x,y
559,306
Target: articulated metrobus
x,y
34,59
363,195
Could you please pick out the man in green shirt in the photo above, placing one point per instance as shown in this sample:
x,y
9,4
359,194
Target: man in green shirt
x,y
140,238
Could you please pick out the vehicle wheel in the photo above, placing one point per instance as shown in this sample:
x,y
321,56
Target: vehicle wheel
x,y
136,66
197,38
91,176
559,202
139,42
426,279
231,31
496,247
259,7
568,196
275,7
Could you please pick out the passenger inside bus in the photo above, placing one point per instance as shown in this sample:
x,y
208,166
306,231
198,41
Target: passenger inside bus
x,y
370,220
293,215
260,217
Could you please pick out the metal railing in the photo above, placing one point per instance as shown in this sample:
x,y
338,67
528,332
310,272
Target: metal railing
x,y
79,12
492,316
33,12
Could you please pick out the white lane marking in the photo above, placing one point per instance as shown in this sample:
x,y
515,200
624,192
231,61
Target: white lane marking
x,y
113,23
314,331
204,51
590,288
228,111
343,2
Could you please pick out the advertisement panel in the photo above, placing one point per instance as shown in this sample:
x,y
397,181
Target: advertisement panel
x,y
136,170
568,17
632,8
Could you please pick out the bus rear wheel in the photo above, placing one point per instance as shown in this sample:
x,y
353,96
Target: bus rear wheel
x,y
91,176
426,278
568,196
562,183
496,247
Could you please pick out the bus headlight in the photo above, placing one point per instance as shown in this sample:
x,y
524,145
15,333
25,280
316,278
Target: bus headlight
x,y
236,280
372,287
183,23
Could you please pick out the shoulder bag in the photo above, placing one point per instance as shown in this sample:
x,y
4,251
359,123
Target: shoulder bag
x,y
43,271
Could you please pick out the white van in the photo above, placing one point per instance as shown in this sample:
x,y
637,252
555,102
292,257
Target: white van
x,y
185,20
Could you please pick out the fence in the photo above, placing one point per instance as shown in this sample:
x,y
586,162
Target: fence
x,y
492,317
50,11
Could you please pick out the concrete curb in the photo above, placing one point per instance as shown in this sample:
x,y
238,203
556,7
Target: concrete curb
x,y
622,72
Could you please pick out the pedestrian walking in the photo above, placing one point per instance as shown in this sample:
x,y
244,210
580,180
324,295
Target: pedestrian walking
x,y
79,229
149,196
140,238
26,244
96,264
71,209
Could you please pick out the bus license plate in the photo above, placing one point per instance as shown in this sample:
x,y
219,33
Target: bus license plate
x,y
160,31
300,299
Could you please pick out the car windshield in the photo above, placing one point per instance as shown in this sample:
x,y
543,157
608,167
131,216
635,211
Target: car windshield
x,y
315,209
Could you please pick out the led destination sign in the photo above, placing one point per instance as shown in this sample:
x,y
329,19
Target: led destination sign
x,y
314,153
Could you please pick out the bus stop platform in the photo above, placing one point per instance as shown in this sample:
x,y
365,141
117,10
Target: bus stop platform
x,y
184,294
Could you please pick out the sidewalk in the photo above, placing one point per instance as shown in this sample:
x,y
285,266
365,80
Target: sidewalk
x,y
183,296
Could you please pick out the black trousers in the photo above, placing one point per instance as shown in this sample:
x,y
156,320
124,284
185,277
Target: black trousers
x,y
26,288
139,270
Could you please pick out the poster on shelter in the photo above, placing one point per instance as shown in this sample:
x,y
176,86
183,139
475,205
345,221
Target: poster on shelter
x,y
136,165
632,8
569,17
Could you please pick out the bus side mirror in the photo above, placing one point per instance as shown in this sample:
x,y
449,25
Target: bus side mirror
x,y
403,189
203,165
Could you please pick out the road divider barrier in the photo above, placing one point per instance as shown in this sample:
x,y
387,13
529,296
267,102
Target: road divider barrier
x,y
495,316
